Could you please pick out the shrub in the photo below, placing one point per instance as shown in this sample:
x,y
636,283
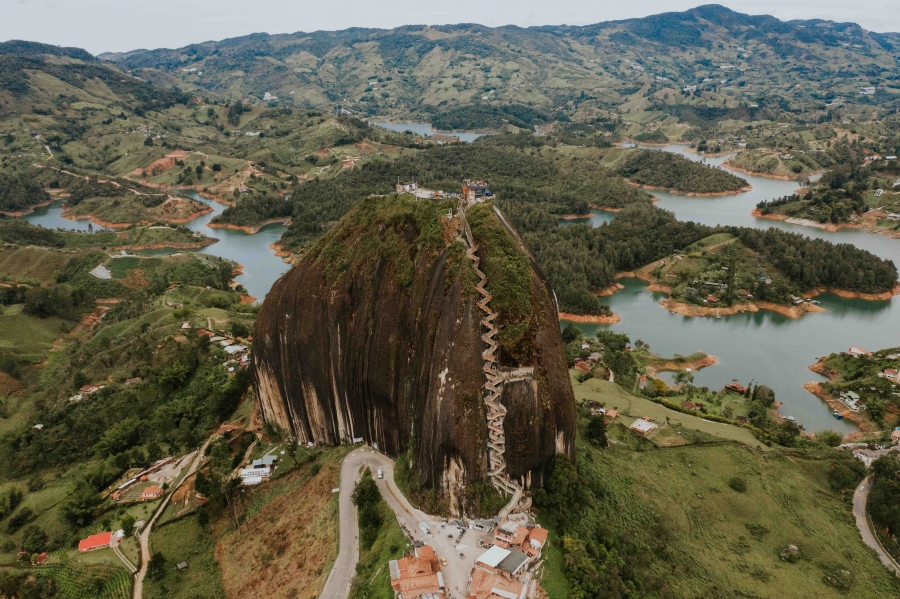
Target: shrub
x,y
738,484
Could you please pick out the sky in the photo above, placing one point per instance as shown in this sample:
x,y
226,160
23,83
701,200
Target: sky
x,y
121,25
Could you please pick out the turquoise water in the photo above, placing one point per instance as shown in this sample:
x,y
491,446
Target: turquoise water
x,y
261,266
764,347
427,130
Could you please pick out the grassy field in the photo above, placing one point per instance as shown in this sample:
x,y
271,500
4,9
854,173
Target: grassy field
x,y
713,541
672,424
31,264
185,540
287,542
24,334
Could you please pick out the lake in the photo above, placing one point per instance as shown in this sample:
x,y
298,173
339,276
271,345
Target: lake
x,y
261,266
427,130
764,347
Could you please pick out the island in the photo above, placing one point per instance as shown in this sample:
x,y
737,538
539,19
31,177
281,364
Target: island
x,y
653,169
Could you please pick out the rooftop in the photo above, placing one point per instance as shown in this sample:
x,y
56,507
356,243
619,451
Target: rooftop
x,y
493,556
512,562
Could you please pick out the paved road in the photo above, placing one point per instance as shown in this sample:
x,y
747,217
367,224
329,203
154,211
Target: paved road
x,y
138,588
456,572
860,497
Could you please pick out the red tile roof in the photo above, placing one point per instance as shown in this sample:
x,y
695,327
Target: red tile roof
x,y
97,541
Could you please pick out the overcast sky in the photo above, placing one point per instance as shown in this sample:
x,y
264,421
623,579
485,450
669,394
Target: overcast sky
x,y
120,25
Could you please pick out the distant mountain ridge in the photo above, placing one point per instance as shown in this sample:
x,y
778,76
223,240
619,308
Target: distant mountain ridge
x,y
424,68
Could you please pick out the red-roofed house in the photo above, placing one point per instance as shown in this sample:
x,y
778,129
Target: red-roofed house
x,y
583,366
417,574
151,492
100,540
611,414
41,559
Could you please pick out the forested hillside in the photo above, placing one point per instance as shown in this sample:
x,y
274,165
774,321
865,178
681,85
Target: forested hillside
x,y
734,59
666,170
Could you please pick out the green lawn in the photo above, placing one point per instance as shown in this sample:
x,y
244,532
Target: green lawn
x,y
185,541
631,407
24,334
701,538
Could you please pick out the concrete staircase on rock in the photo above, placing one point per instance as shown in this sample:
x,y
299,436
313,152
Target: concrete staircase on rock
x,y
496,412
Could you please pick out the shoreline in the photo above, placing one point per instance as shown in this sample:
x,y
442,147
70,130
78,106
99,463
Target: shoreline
x,y
67,214
607,291
864,424
708,311
286,221
691,194
672,366
727,164
175,245
590,318
830,227
872,297
29,210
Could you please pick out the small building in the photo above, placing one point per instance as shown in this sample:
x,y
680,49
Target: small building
x,y
895,435
264,472
851,400
857,351
486,584
101,540
182,565
513,563
611,414
643,427
89,389
642,382
712,299
583,367
185,325
595,357
482,524
205,333
150,493
890,373
417,575
475,190
689,405
41,559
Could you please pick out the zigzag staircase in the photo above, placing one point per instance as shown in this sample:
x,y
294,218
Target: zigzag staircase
x,y
494,383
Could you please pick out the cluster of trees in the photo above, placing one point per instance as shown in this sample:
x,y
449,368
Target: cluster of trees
x,y
19,190
883,505
487,116
811,263
671,171
58,300
367,500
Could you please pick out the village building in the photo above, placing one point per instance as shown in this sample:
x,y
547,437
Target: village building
x,y
895,435
417,575
583,366
150,493
490,585
851,400
689,405
89,389
475,190
101,540
857,351
643,427
889,373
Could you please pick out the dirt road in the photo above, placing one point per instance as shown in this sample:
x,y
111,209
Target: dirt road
x,y
138,588
860,497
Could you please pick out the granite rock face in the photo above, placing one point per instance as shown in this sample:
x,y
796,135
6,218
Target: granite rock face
x,y
376,335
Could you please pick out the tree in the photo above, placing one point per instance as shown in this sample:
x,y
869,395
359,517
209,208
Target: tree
x,y
829,438
570,333
127,523
596,431
156,567
34,539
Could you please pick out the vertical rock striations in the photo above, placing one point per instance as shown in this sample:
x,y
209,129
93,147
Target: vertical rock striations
x,y
377,334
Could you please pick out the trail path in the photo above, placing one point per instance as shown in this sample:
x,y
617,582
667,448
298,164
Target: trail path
x,y
138,589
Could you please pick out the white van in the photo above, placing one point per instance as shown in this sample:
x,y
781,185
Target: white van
x,y
380,473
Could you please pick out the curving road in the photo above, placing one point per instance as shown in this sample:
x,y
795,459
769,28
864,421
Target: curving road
x,y
860,497
460,558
